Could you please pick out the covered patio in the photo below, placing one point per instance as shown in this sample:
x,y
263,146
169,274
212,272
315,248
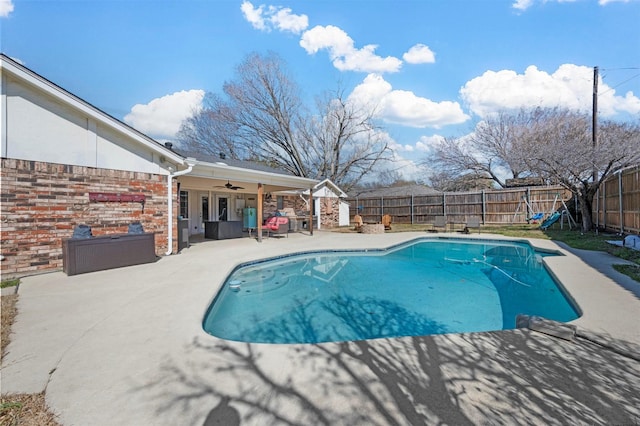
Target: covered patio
x,y
217,190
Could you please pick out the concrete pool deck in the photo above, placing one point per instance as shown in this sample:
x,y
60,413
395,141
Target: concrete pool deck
x,y
126,347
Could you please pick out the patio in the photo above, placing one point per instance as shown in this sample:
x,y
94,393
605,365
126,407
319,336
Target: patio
x,y
125,346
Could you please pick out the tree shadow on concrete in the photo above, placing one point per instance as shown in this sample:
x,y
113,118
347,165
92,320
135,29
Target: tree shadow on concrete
x,y
508,377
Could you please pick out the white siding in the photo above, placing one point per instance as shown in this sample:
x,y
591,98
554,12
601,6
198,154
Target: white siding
x,y
41,128
343,217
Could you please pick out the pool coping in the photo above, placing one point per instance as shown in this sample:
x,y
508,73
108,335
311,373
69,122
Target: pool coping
x,y
104,344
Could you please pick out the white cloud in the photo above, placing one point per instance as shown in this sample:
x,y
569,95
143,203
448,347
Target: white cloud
x,y
427,143
404,107
253,15
570,86
525,4
6,7
284,20
266,18
161,118
522,4
342,51
419,54
606,2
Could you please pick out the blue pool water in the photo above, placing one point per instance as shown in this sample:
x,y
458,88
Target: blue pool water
x,y
429,286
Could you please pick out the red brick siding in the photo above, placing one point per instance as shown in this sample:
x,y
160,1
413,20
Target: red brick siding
x,y
43,202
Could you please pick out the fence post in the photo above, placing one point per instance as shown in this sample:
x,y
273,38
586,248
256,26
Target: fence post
x,y
381,206
484,207
597,208
620,202
604,205
444,203
412,209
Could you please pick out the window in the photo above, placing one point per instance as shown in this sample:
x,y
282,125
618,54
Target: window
x,y
280,201
184,204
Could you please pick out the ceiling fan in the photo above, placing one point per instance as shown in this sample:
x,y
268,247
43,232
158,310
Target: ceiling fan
x,y
228,185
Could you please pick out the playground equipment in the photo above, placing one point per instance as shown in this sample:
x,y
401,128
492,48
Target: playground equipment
x,y
553,215
559,214
528,208
550,220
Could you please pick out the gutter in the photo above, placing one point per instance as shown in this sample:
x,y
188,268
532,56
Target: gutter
x,y
190,163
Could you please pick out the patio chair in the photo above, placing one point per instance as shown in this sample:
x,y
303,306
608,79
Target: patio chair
x,y
277,225
386,221
282,229
472,222
439,222
358,222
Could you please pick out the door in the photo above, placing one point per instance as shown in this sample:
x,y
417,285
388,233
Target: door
x,y
223,209
203,211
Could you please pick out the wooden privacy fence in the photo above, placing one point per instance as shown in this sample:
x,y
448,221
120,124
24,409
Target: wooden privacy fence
x,y
503,206
617,202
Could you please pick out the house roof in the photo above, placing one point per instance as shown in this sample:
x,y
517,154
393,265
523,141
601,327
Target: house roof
x,y
245,174
331,185
222,160
394,191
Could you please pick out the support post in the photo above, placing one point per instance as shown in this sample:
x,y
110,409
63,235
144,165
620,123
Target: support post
x,y
259,213
311,211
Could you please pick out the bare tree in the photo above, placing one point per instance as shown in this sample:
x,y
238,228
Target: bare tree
x,y
491,150
211,130
344,144
445,182
262,118
553,144
561,149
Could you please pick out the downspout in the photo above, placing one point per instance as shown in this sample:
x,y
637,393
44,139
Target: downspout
x,y
190,163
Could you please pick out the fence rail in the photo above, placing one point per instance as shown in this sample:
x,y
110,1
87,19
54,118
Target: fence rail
x,y
504,206
617,202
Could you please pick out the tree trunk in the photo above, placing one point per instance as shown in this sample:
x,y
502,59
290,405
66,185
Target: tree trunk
x,y
586,203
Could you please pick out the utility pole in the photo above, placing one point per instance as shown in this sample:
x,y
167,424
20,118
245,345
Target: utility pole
x,y
594,127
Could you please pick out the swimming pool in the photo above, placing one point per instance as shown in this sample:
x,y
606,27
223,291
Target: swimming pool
x,y
426,286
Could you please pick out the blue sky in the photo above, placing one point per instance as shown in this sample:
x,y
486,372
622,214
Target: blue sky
x,y
434,68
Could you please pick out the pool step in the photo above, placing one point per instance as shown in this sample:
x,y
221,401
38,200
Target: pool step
x,y
543,325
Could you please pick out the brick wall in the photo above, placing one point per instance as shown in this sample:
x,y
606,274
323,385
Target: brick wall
x,y
43,202
329,212
270,206
329,209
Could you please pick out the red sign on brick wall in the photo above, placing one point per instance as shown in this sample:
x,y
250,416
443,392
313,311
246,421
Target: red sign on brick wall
x,y
107,197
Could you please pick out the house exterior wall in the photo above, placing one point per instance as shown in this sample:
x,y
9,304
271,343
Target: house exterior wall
x,y
43,202
38,127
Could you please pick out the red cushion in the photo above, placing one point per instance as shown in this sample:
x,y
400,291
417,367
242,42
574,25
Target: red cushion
x,y
274,221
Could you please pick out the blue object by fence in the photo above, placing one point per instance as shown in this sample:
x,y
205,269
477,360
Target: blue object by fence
x,y
550,221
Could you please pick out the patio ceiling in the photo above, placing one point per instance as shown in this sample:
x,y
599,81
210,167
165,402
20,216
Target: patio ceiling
x,y
214,176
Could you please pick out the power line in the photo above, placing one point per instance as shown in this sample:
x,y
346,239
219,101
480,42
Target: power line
x,y
620,84
611,88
